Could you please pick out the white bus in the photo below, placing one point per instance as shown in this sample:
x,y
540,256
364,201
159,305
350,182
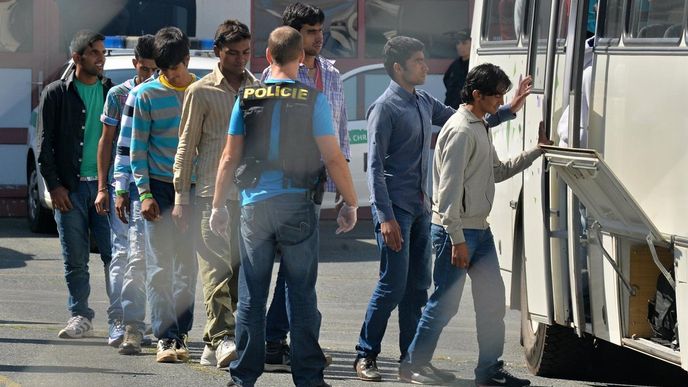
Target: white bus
x,y
581,272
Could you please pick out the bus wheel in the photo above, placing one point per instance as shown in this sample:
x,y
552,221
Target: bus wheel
x,y
552,350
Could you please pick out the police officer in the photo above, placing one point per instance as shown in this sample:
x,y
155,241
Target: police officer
x,y
278,134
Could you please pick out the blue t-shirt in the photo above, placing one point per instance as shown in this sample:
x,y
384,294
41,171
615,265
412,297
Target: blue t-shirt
x,y
270,183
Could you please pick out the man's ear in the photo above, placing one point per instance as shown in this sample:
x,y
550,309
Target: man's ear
x,y
476,95
216,50
268,56
76,58
397,68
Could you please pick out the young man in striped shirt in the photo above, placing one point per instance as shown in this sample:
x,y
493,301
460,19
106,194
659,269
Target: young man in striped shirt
x,y
204,123
171,260
127,283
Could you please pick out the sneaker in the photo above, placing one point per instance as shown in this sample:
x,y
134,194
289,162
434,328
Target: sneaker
x,y
208,356
277,357
182,347
425,375
131,345
225,352
502,377
115,333
77,328
366,369
167,352
328,360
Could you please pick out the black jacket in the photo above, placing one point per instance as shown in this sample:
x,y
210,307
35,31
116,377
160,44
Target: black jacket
x,y
454,79
61,132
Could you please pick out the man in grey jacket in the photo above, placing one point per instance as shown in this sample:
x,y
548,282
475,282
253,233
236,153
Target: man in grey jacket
x,y
465,169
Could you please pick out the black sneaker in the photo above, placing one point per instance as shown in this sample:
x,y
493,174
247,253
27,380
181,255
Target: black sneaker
x,y
502,377
277,357
425,375
366,369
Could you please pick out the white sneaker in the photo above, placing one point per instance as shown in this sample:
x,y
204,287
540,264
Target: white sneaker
x,y
225,352
77,327
208,356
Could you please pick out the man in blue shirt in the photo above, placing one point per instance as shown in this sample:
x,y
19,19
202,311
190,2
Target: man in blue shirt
x,y
278,133
400,130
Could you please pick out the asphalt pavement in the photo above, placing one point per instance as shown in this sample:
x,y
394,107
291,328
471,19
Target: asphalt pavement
x,y
33,309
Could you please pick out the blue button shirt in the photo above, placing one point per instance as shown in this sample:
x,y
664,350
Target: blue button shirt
x,y
399,135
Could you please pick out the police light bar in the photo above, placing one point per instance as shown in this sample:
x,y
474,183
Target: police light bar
x,y
123,42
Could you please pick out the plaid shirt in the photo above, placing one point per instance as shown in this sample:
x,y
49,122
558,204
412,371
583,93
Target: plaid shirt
x,y
334,92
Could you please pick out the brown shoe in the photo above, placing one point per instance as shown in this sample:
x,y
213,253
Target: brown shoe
x,y
166,351
131,345
366,369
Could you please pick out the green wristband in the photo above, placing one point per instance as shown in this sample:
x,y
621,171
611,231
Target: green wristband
x,y
121,192
145,196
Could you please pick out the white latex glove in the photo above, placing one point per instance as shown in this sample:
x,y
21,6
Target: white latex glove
x,y
219,219
346,219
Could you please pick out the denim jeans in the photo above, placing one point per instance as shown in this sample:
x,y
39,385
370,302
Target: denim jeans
x,y
404,282
73,227
171,268
277,324
488,296
128,266
287,221
218,263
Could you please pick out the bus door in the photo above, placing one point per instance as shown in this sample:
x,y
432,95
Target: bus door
x,y
536,218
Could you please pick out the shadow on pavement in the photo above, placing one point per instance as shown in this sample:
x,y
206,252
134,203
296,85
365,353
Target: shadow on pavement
x,y
19,228
66,369
12,259
13,322
70,342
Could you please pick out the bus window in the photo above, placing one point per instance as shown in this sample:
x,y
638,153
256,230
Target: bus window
x,y
361,90
656,20
542,21
562,29
16,19
340,29
434,22
502,21
612,22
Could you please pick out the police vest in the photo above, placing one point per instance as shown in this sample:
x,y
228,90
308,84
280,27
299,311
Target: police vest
x,y
298,154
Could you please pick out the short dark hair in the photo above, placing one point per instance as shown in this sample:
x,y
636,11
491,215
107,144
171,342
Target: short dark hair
x,y
145,47
231,31
171,47
486,78
83,39
298,14
398,50
285,45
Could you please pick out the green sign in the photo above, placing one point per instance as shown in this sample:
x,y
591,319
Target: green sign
x,y
358,136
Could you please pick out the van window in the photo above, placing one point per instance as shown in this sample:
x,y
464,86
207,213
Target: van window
x,y
656,20
361,90
16,19
434,22
340,29
503,21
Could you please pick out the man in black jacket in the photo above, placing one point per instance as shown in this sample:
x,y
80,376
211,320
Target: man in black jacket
x,y
455,76
69,128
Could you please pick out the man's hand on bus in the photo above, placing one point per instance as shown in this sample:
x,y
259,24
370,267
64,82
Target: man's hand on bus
x,y
542,135
60,198
525,86
102,202
391,233
150,209
122,207
180,216
459,256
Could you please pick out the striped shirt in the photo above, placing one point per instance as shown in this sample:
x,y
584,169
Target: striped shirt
x,y
205,118
112,111
122,169
334,92
155,131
